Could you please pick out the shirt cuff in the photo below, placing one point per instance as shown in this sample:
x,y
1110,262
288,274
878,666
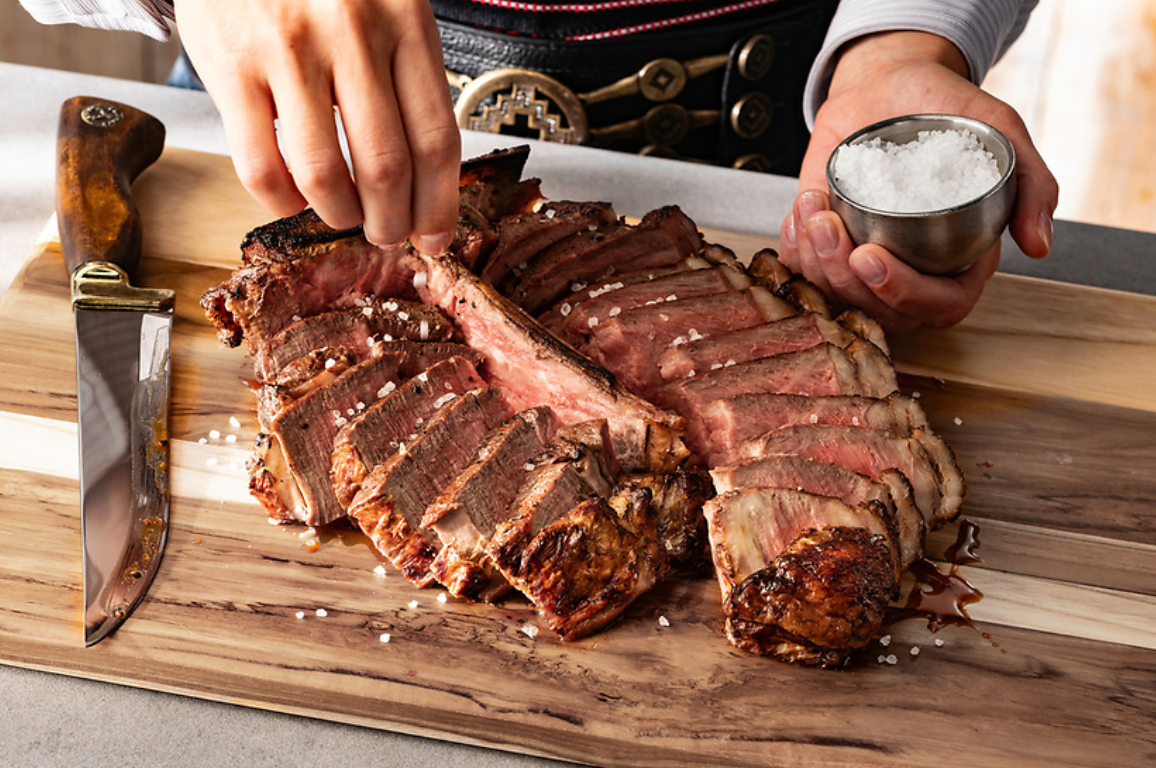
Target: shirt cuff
x,y
147,17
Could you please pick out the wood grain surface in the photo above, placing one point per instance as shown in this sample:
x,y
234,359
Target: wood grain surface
x,y
1046,393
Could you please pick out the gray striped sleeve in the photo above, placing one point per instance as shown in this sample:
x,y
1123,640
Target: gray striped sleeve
x,y
148,17
982,29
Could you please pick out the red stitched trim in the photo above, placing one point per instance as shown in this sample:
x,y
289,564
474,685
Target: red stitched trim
x,y
605,5
672,22
608,5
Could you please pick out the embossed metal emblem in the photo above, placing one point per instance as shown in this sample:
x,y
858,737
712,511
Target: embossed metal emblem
x,y
662,79
101,115
516,98
751,115
756,57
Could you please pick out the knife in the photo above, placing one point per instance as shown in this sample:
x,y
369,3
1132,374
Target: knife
x,y
122,355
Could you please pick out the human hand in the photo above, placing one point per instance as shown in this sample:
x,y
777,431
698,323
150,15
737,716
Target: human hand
x,y
883,76
378,64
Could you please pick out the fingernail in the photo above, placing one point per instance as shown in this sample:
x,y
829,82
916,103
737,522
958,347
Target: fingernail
x,y
868,268
810,203
823,236
1045,229
433,244
789,231
391,247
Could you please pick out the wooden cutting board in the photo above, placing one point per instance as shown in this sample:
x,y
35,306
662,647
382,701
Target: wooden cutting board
x,y
1047,393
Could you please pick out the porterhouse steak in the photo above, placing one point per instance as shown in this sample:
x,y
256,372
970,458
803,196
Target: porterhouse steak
x,y
533,415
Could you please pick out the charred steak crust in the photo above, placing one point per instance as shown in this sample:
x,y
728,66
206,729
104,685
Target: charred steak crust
x,y
575,465
821,598
500,167
585,568
676,500
291,238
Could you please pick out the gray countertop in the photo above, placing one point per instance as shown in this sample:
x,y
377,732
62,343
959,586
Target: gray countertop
x,y
49,720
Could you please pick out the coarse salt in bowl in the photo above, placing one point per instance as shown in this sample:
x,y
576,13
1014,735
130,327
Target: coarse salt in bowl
x,y
935,190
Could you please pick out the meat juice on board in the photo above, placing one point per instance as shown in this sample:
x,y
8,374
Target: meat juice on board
x,y
942,598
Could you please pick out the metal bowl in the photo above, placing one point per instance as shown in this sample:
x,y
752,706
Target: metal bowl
x,y
942,242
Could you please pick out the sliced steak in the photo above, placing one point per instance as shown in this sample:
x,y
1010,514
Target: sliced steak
x,y
410,358
474,237
490,189
822,597
496,199
554,317
533,367
766,269
417,356
790,334
585,568
289,474
299,378
342,332
618,297
805,296
492,183
630,344
352,329
823,479
924,459
909,522
676,500
750,527
722,425
375,434
824,369
577,465
467,511
297,267
863,325
393,498
663,237
522,237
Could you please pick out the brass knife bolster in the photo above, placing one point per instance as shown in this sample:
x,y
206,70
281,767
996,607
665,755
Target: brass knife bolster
x,y
103,285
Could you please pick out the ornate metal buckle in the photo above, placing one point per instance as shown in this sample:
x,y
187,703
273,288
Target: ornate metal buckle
x,y
504,97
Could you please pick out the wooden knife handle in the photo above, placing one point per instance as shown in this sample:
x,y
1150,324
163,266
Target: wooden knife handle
x,y
102,146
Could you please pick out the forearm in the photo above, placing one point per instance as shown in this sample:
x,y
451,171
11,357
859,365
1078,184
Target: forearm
x,y
868,57
148,17
981,30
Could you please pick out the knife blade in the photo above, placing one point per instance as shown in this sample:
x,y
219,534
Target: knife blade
x,y
123,364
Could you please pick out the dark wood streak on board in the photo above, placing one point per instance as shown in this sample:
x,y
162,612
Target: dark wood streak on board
x,y
1078,465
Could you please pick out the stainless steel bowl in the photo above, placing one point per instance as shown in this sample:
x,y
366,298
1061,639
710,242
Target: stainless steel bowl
x,y
942,242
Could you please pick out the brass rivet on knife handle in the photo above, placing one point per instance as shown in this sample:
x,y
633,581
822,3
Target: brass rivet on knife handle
x,y
102,146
